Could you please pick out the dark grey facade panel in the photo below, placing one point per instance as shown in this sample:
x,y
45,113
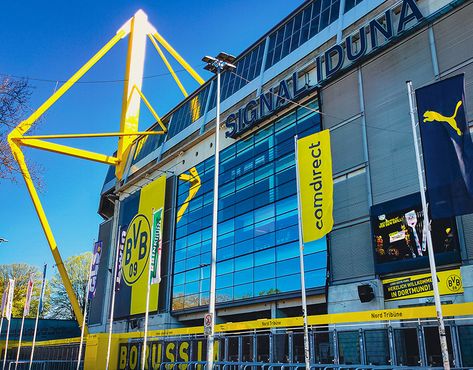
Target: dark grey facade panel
x,y
467,222
347,146
340,100
390,142
350,199
103,277
351,254
454,44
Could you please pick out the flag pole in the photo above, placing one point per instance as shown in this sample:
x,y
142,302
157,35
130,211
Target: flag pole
x,y
11,289
19,342
301,260
430,248
145,339
40,306
112,304
79,355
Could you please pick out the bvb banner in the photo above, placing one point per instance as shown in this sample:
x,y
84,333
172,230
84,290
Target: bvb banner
x,y
137,213
417,286
314,160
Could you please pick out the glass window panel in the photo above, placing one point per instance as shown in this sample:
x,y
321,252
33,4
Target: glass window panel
x,y
244,247
178,290
180,254
224,295
287,235
286,251
324,19
265,287
264,227
205,285
325,4
243,262
285,162
286,205
192,288
315,260
179,279
192,262
192,275
264,241
316,278
244,276
225,240
224,281
244,220
288,283
244,233
287,219
314,27
265,256
265,271
243,291
334,12
285,190
225,267
226,227
264,172
264,213
205,258
288,267
225,253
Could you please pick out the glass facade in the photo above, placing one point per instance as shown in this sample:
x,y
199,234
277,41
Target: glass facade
x,y
257,243
315,17
350,4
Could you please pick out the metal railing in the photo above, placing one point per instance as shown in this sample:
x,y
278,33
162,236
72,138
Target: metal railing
x,y
43,365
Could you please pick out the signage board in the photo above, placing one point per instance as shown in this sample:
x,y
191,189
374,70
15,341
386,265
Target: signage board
x,y
418,286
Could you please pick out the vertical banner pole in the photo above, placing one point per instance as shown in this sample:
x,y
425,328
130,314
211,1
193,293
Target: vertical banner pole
x,y
79,355
301,259
112,304
9,307
19,341
213,261
430,249
40,304
145,339
6,345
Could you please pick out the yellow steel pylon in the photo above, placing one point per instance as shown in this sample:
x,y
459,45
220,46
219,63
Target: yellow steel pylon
x,y
138,29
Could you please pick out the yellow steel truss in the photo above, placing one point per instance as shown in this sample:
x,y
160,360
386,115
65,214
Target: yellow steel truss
x,y
138,29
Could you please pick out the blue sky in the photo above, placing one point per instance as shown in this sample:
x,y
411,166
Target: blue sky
x,y
49,41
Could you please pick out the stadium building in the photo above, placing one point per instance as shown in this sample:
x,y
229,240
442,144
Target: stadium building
x,y
331,64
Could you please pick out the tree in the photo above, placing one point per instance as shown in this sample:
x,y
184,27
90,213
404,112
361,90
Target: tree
x,y
21,272
77,268
15,95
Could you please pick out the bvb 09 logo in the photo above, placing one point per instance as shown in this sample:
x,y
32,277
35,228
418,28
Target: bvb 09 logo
x,y
136,251
454,283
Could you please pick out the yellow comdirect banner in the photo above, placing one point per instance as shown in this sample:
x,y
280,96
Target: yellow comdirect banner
x,y
417,286
136,253
316,185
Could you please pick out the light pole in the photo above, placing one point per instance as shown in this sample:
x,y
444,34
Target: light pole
x,y
223,62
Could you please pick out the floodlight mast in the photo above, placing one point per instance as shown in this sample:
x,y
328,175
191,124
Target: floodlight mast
x,y
138,28
223,62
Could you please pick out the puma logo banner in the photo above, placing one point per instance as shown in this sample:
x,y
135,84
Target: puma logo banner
x,y
447,147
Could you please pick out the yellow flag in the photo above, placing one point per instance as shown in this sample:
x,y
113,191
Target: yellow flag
x,y
315,185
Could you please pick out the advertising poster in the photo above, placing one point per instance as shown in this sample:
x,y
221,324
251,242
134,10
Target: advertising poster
x,y
418,286
136,217
399,236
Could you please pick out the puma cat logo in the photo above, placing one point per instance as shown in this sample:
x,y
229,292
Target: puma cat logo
x,y
430,116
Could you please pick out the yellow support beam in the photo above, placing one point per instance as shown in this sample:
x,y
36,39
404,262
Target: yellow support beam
x,y
67,150
135,60
82,136
153,112
19,157
180,59
24,126
168,65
